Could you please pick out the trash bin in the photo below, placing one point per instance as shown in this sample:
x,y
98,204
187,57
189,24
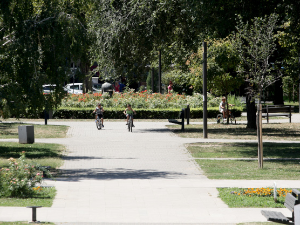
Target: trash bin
x,y
26,134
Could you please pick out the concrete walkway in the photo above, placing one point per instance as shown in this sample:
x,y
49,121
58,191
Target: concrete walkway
x,y
143,177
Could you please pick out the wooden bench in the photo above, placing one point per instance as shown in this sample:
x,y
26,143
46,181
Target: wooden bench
x,y
290,201
277,110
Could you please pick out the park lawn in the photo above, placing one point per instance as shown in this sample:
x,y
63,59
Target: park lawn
x,y
241,201
10,130
271,131
43,198
44,154
249,170
244,150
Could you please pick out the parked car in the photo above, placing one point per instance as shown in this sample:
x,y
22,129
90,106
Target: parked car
x,y
48,88
77,88
74,88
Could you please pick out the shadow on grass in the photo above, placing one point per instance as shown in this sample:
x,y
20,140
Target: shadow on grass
x,y
237,130
31,152
4,127
118,173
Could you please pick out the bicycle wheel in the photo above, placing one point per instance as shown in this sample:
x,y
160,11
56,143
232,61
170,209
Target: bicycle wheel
x,y
219,118
98,125
129,122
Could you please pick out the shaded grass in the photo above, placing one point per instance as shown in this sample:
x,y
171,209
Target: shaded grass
x,y
248,170
41,153
244,150
44,198
275,131
240,201
10,130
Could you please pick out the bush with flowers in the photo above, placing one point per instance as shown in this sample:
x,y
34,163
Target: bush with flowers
x,y
139,100
20,178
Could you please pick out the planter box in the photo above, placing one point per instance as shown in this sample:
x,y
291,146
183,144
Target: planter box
x,y
26,134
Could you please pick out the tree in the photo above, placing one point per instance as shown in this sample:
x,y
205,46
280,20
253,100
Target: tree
x,y
38,40
130,34
255,45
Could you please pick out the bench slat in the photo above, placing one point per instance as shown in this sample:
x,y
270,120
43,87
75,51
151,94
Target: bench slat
x,y
290,202
275,216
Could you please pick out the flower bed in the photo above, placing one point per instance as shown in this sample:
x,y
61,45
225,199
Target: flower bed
x,y
139,100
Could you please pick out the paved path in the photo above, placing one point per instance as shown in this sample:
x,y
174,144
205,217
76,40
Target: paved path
x,y
117,177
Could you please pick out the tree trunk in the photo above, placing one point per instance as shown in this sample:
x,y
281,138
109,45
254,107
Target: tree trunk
x,y
251,113
278,95
259,135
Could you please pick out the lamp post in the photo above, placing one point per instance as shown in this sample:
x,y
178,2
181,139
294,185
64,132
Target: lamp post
x,y
159,71
204,90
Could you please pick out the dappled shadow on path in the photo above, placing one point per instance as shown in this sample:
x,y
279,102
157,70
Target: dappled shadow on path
x,y
115,174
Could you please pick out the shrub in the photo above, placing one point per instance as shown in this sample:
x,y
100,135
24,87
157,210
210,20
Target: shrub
x,y
20,178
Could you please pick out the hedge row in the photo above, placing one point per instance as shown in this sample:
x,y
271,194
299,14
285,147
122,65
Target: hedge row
x,y
140,113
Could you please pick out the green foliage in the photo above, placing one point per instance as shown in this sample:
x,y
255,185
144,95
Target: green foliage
x,y
255,44
182,81
19,179
38,41
117,113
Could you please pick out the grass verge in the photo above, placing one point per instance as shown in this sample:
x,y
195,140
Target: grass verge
x,y
43,198
271,131
241,201
41,153
10,130
248,170
244,150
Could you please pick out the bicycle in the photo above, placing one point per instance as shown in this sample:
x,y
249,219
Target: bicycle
x,y
98,123
231,117
130,123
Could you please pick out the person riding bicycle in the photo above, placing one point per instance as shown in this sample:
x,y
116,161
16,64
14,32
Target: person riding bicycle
x,y
99,113
129,112
222,107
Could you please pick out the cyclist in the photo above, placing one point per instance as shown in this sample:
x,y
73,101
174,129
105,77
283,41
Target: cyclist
x,y
99,113
222,107
129,111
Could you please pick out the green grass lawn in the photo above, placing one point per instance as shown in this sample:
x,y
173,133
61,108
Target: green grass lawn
x,y
10,130
282,168
271,131
42,153
248,170
244,150
43,198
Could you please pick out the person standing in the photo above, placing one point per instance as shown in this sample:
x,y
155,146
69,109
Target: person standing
x,y
170,87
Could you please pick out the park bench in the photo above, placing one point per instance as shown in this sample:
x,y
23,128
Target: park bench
x,y
184,113
277,110
290,202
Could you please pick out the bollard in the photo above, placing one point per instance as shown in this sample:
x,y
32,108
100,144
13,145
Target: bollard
x,y
33,212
